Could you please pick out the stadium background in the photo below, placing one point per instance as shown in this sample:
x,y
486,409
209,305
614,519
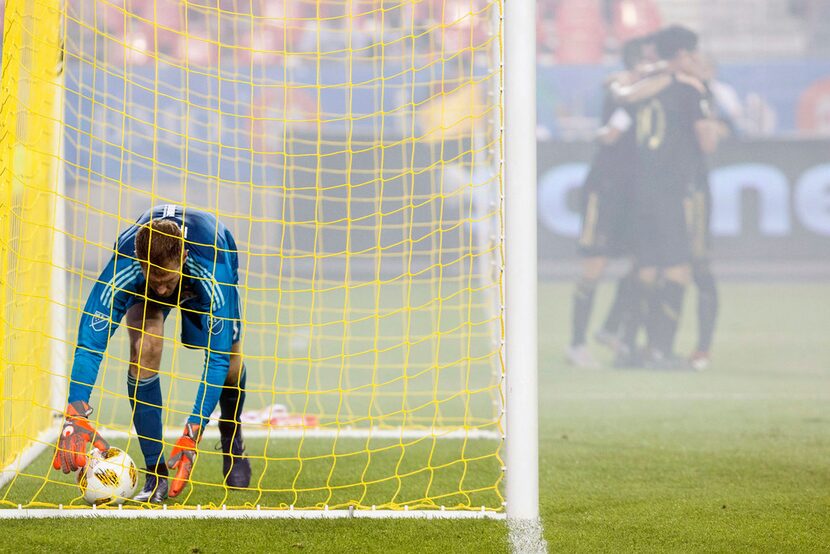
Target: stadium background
x,y
770,183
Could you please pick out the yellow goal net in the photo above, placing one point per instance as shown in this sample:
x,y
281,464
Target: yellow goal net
x,y
353,148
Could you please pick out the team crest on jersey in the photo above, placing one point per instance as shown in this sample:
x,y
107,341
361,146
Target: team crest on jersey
x,y
216,325
99,321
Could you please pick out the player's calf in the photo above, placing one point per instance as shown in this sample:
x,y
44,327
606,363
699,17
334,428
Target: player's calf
x,y
583,301
236,467
707,313
625,299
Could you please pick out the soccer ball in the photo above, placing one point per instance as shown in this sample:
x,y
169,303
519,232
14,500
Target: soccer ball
x,y
109,477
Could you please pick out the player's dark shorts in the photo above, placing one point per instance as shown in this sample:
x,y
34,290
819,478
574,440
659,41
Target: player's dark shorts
x,y
198,326
606,223
699,217
663,233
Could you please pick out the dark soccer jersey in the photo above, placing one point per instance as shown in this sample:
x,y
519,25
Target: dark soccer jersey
x,y
613,163
668,152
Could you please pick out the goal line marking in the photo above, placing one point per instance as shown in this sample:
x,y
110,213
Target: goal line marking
x,y
253,513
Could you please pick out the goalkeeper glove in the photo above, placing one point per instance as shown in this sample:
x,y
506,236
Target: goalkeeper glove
x,y
77,432
183,456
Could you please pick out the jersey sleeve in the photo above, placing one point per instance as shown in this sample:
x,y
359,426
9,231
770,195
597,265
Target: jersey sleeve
x,y
694,103
103,311
219,327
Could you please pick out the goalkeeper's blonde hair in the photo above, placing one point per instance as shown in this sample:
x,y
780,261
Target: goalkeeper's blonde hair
x,y
159,242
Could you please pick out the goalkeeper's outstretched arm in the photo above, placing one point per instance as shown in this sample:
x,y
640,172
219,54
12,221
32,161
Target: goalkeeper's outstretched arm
x,y
215,371
221,296
103,311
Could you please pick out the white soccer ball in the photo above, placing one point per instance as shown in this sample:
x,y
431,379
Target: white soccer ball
x,y
109,477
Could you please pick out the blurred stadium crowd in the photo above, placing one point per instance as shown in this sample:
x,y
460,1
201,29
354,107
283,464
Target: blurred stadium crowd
x,y
773,54
275,31
589,31
568,31
773,59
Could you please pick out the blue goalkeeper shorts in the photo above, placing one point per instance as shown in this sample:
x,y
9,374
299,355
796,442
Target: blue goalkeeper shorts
x,y
198,326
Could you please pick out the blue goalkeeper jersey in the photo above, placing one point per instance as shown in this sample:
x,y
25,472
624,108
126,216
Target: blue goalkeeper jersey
x,y
207,297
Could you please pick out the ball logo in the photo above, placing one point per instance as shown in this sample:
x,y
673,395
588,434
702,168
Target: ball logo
x,y
107,477
111,453
216,325
99,321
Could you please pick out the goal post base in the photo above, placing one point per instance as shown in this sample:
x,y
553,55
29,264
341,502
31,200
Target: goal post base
x,y
526,536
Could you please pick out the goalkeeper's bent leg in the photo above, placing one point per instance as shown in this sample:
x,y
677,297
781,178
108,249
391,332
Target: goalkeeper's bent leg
x,y
145,401
232,399
145,324
236,468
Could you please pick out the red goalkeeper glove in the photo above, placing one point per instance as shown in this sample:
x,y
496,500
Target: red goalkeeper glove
x,y
183,456
76,434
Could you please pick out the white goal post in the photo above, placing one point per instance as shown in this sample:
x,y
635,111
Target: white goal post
x,y
521,334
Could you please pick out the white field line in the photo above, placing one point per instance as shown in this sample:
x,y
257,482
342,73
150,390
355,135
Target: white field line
x,y
254,513
526,536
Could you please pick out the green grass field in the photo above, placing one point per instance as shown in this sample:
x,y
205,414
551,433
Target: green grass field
x,y
731,459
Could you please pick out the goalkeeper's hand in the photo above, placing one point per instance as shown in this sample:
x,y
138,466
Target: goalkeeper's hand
x,y
76,434
183,456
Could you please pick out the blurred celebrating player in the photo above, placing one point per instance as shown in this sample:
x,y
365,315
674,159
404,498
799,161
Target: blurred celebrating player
x,y
606,202
170,257
701,202
674,129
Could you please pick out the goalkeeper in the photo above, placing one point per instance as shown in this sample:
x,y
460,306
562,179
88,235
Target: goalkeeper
x,y
170,257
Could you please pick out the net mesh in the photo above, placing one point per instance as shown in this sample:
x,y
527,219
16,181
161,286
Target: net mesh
x,y
353,150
